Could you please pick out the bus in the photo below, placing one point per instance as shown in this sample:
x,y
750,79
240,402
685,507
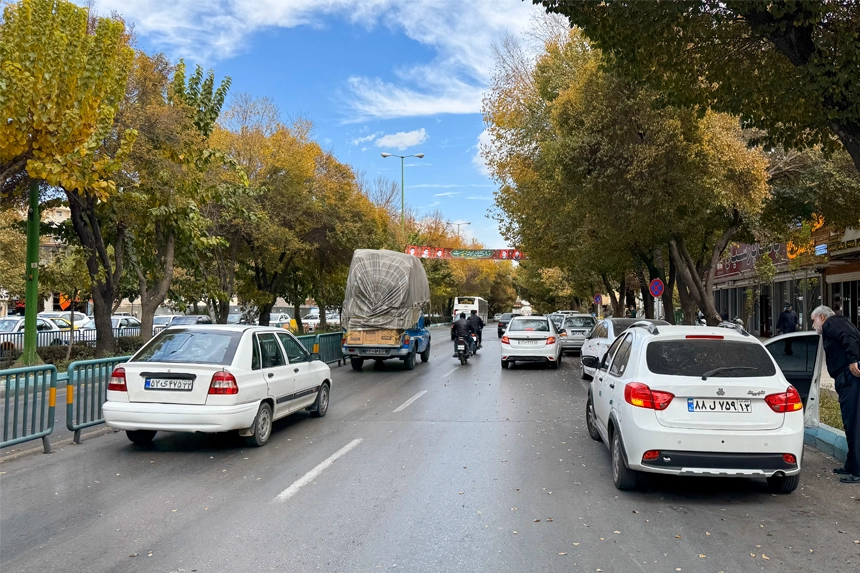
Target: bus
x,y
469,303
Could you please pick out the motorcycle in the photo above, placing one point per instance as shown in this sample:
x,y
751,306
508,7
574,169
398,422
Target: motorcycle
x,y
463,350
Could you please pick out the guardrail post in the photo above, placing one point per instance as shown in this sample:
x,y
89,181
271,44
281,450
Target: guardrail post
x,y
44,390
88,380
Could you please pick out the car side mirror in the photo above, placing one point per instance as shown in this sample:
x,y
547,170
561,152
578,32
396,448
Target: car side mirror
x,y
590,362
315,357
562,331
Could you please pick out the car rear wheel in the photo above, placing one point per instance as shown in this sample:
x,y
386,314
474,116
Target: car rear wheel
x,y
409,361
140,437
262,426
623,477
425,356
505,364
783,484
593,433
320,407
357,363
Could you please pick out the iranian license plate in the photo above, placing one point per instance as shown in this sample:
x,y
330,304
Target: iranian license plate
x,y
376,351
461,347
530,342
167,384
700,405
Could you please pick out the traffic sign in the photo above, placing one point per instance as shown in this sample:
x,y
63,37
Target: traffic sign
x,y
598,299
656,288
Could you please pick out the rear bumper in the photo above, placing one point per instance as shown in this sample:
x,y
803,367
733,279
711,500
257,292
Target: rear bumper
x,y
529,358
179,417
375,353
711,463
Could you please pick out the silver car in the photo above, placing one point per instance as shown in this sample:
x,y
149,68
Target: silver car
x,y
576,327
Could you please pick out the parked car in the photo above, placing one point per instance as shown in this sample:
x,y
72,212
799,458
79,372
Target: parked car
x,y
497,317
12,334
237,318
163,319
557,319
122,325
531,339
216,379
188,319
576,328
503,323
602,335
695,401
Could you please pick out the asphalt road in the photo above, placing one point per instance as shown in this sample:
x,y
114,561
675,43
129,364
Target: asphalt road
x,y
444,468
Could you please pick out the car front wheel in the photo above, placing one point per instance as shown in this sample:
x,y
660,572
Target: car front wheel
x,y
593,433
623,477
140,437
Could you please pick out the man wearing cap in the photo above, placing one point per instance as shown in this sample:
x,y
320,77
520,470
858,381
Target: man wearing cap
x,y
787,323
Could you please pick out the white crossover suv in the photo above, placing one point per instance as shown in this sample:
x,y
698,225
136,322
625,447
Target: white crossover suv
x,y
698,402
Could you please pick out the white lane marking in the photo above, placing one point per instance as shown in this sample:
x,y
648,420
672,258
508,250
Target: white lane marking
x,y
312,475
408,402
449,373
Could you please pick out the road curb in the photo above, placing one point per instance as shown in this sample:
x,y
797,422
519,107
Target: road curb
x,y
827,439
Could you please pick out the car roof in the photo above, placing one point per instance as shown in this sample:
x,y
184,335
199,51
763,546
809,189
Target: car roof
x,y
676,332
224,327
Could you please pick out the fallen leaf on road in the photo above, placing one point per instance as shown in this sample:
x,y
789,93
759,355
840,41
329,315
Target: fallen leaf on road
x,y
616,532
537,521
677,537
562,553
549,519
133,555
461,493
701,555
707,533
752,554
634,511
515,532
765,557
576,543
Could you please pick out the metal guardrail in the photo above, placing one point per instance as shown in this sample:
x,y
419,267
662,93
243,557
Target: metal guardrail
x,y
14,341
330,347
31,393
88,380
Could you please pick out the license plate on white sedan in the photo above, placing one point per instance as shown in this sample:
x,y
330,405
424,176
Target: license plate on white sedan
x,y
699,405
530,342
167,384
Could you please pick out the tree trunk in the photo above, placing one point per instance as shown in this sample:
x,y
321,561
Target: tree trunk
x,y
688,305
105,339
151,296
850,138
266,312
688,274
611,292
222,310
297,310
647,299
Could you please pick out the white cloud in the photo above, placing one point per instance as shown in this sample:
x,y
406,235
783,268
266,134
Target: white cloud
x,y
366,138
403,139
484,142
448,194
460,33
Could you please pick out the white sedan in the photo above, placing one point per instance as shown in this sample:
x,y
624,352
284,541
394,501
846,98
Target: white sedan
x,y
601,336
531,339
216,378
693,401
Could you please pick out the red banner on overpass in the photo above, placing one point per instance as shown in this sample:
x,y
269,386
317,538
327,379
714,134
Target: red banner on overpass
x,y
466,254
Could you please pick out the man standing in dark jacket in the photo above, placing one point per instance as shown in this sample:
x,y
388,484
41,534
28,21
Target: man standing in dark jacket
x,y
461,329
842,349
787,323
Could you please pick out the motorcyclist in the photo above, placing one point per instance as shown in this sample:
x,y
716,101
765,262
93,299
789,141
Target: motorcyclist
x,y
462,329
477,324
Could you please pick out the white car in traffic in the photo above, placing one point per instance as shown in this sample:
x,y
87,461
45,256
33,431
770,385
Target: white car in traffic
x,y
531,339
695,401
603,334
208,378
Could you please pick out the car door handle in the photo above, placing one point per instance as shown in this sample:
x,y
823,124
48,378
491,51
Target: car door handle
x,y
296,370
271,374
612,385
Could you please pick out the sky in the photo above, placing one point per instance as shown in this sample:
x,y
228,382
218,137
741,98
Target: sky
x,y
395,76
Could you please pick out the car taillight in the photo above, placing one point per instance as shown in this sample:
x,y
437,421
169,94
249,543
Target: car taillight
x,y
641,396
650,455
223,383
117,381
788,401
406,339
550,340
506,340
789,459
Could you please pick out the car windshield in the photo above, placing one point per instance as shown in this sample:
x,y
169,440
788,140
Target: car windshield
x,y
620,325
695,357
557,319
8,325
529,324
311,317
180,320
234,318
579,322
195,346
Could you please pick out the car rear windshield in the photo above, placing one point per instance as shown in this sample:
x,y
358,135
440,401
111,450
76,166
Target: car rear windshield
x,y
195,346
529,324
579,322
696,357
507,316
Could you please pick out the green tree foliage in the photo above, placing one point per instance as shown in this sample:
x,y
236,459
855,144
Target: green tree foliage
x,y
13,246
62,79
789,67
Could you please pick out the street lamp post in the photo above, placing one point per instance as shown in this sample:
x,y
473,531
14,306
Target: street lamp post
x,y
458,225
402,188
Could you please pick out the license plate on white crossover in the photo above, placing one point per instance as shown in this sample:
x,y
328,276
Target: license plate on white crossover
x,y
167,384
700,405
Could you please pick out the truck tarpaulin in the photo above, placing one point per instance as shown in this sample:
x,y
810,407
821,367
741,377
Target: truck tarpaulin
x,y
385,289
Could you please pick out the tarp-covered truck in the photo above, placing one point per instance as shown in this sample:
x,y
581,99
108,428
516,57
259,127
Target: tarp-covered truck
x,y
383,308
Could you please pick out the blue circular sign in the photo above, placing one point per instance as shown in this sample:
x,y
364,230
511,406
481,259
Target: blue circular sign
x,y
656,287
